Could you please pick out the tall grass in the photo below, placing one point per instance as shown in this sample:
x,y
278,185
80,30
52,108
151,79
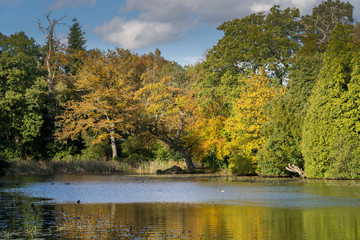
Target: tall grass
x,y
86,166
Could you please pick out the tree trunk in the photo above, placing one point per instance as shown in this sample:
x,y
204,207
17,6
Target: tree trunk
x,y
49,34
185,154
187,157
113,144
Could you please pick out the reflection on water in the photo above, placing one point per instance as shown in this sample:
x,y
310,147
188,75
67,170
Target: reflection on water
x,y
118,207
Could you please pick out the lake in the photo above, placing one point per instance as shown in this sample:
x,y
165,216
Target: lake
x,y
177,207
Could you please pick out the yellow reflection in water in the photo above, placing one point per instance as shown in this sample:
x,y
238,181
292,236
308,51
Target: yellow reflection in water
x,y
205,221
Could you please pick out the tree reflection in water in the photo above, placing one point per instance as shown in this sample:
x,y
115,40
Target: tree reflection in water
x,y
29,217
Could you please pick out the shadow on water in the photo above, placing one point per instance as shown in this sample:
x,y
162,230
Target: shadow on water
x,y
126,207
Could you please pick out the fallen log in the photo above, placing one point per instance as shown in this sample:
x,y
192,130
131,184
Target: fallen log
x,y
295,169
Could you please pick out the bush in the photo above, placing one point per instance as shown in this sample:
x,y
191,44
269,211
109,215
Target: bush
x,y
134,149
97,151
213,162
241,165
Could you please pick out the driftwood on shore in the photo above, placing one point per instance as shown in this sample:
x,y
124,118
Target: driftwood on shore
x,y
295,169
173,170
178,170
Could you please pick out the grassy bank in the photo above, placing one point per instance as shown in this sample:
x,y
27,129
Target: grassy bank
x,y
81,166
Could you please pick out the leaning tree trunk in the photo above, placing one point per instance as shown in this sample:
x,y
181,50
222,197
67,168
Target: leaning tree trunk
x,y
187,157
178,147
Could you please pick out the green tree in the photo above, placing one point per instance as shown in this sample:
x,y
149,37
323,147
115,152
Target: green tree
x,y
331,126
258,40
286,114
76,38
325,17
76,45
22,97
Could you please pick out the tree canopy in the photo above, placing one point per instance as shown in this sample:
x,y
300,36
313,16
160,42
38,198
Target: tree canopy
x,y
278,95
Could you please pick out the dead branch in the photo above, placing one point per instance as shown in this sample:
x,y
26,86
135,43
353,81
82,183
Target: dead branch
x,y
295,169
49,33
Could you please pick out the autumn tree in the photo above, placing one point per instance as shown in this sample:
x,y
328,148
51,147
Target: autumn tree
x,y
242,130
165,103
106,84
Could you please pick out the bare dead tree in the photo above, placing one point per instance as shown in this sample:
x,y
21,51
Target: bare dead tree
x,y
49,33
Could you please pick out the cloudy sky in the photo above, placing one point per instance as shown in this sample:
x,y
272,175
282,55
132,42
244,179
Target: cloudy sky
x,y
182,29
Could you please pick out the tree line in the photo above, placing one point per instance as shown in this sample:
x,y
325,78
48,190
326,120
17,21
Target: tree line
x,y
277,90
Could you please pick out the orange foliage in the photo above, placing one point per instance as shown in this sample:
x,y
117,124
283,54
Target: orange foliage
x,y
106,85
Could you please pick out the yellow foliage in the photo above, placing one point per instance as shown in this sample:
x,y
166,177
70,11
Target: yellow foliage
x,y
243,128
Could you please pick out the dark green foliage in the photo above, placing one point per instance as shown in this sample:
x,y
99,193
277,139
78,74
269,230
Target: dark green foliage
x,y
287,112
331,127
134,149
213,162
4,166
76,43
76,39
23,97
255,41
143,148
283,132
286,115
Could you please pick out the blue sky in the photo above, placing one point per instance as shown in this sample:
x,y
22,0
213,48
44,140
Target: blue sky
x,y
182,29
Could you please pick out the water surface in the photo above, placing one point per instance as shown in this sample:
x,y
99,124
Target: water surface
x,y
150,207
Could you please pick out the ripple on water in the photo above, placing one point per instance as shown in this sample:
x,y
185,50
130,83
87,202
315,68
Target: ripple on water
x,y
106,189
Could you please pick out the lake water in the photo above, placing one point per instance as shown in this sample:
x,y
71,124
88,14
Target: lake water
x,y
177,207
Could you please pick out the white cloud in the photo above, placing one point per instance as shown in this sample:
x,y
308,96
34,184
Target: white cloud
x,y
58,4
259,7
161,21
136,33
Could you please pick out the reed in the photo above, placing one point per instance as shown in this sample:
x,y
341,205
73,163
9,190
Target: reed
x,y
88,166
